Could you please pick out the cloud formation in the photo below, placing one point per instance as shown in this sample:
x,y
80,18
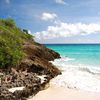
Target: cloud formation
x,y
48,16
7,1
68,30
61,2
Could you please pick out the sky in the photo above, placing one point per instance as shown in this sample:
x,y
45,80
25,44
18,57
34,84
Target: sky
x,y
56,21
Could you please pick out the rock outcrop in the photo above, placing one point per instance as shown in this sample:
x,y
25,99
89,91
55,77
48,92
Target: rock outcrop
x,y
26,74
38,56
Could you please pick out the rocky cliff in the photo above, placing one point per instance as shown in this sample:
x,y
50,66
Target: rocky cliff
x,y
24,64
38,56
29,72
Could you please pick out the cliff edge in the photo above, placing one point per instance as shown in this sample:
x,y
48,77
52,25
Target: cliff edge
x,y
25,66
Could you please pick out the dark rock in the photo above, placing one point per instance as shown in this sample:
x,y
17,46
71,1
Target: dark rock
x,y
26,73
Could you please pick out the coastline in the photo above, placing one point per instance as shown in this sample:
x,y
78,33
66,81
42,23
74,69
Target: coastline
x,y
60,93
24,68
33,72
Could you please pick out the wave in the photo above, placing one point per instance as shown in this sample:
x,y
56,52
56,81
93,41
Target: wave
x,y
77,76
65,58
90,70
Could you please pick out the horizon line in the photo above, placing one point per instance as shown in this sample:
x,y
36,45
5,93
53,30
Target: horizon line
x,y
72,43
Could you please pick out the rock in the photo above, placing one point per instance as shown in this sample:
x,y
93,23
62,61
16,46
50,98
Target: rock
x,y
31,75
1,74
38,50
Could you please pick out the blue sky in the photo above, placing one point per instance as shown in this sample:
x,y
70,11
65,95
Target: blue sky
x,y
56,21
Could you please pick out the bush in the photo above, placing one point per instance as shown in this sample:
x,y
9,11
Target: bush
x,y
9,22
12,39
10,52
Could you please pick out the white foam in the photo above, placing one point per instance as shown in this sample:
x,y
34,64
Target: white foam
x,y
64,59
78,76
15,89
42,77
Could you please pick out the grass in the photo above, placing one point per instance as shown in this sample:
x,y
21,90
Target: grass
x,y
11,43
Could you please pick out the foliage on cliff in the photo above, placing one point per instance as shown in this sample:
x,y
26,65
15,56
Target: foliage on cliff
x,y
11,43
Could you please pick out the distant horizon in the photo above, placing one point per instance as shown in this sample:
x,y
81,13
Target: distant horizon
x,y
72,43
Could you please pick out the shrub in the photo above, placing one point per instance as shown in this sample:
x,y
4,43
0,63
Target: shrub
x,y
10,52
11,43
9,22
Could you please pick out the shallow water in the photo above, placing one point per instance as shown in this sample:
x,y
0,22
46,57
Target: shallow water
x,y
80,65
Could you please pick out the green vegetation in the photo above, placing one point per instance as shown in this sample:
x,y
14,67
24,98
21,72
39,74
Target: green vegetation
x,y
11,43
9,22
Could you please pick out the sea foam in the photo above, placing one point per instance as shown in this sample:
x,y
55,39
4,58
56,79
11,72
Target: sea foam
x,y
77,76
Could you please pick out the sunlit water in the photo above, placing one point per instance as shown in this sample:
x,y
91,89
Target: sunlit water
x,y
80,65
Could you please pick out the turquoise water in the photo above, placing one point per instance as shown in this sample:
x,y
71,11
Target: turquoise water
x,y
88,54
80,66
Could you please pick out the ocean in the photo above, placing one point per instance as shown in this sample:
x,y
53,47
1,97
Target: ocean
x,y
80,66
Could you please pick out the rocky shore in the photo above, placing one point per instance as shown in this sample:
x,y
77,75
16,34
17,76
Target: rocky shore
x,y
31,75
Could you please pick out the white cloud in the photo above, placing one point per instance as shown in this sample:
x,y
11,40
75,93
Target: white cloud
x,y
68,30
48,16
61,2
7,1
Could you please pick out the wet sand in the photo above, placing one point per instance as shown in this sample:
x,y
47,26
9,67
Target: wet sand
x,y
61,93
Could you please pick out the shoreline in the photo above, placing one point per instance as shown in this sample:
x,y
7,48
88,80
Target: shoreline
x,y
60,93
24,65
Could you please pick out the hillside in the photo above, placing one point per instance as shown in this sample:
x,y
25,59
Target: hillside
x,y
11,43
22,61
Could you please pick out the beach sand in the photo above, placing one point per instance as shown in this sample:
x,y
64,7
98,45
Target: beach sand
x,y
61,93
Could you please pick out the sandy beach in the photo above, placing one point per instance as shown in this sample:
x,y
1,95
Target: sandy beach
x,y
60,93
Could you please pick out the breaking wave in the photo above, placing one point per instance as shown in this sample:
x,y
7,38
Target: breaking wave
x,y
77,76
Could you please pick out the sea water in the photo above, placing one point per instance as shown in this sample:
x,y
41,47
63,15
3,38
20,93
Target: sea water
x,y
80,66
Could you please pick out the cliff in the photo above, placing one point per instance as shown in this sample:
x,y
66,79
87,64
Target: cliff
x,y
24,63
38,56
